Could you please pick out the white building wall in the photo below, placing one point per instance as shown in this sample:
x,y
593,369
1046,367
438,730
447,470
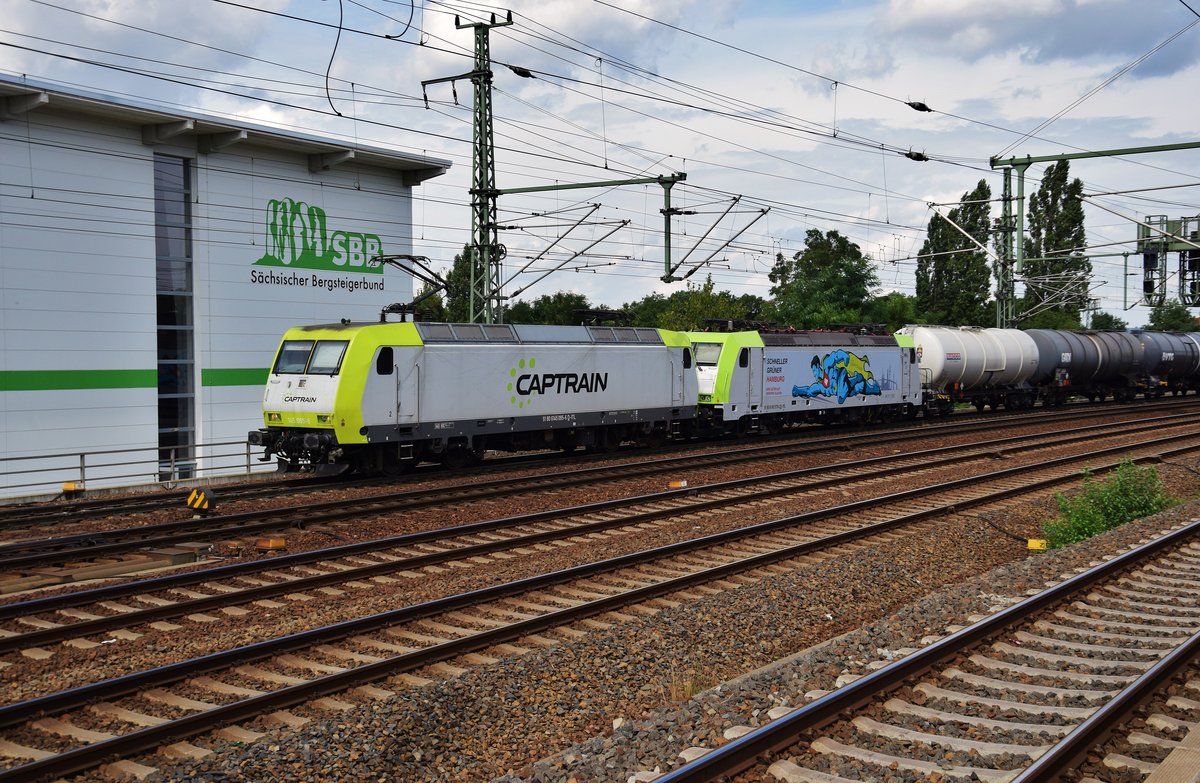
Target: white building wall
x,y
77,292
78,324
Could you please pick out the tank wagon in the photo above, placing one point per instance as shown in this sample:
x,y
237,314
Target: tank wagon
x,y
1012,369
765,381
383,396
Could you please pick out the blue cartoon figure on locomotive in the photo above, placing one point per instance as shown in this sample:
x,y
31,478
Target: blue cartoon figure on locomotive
x,y
842,374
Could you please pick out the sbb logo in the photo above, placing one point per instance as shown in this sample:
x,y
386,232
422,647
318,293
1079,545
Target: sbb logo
x,y
297,236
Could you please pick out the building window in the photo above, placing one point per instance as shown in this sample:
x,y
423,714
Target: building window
x,y
176,355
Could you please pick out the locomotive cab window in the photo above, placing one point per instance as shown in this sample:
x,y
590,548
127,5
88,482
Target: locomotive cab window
x,y
293,356
384,362
687,359
707,354
744,358
327,357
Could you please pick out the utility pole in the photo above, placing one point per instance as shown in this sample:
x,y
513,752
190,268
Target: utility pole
x,y
487,254
1013,249
486,251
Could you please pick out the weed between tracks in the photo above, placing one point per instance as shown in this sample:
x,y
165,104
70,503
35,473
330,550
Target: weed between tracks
x,y
1128,493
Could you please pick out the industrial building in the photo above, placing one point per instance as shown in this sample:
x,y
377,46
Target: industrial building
x,y
150,259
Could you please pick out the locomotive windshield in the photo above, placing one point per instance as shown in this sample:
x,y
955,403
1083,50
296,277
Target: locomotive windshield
x,y
327,357
293,356
707,354
316,357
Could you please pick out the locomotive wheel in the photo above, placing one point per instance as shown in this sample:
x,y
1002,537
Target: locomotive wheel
x,y
392,466
607,439
456,458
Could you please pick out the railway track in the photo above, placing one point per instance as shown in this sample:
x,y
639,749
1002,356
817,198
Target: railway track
x,y
322,667
73,616
40,519
158,545
1022,695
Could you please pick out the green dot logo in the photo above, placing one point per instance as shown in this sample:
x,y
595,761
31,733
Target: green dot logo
x,y
519,392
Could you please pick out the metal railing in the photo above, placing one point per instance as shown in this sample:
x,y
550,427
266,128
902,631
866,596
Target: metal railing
x,y
39,475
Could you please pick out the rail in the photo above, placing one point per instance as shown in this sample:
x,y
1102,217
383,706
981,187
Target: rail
x,y
41,475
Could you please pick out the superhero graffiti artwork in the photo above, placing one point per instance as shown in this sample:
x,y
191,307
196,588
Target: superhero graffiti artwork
x,y
840,374
836,376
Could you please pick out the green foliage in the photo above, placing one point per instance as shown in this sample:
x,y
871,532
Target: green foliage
x,y
1128,493
689,308
830,281
1052,319
557,308
1171,316
953,273
432,309
1103,320
894,309
1056,226
647,311
458,289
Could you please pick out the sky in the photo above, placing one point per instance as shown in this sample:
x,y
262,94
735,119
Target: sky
x,y
784,115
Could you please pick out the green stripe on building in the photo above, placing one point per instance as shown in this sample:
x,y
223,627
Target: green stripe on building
x,y
70,380
62,380
234,376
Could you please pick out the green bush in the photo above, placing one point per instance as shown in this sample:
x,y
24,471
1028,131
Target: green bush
x,y
1127,493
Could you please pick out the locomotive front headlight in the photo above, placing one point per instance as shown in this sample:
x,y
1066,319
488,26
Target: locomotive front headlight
x,y
275,417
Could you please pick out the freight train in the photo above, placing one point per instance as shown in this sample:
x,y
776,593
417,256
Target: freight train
x,y
381,397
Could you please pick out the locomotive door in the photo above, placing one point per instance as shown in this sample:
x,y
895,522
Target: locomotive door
x,y
754,377
676,383
408,385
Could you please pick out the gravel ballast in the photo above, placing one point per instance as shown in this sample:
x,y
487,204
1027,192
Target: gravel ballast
x,y
630,697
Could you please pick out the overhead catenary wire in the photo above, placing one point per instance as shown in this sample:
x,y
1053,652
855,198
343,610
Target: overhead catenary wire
x,y
800,209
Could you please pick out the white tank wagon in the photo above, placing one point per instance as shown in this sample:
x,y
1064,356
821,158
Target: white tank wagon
x,y
977,365
380,397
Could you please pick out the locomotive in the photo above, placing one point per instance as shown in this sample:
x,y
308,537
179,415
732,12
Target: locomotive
x,y
378,397
765,381
381,397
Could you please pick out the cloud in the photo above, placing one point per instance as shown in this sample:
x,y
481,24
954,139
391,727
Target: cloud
x,y
1046,31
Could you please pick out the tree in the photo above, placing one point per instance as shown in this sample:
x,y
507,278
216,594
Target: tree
x,y
830,281
647,311
894,309
432,308
1171,316
688,310
458,288
1103,320
557,308
953,274
1052,319
1059,274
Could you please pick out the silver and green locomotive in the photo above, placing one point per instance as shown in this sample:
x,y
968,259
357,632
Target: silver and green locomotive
x,y
379,397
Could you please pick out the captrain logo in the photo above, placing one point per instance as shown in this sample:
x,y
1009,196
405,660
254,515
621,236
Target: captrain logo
x,y
524,386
